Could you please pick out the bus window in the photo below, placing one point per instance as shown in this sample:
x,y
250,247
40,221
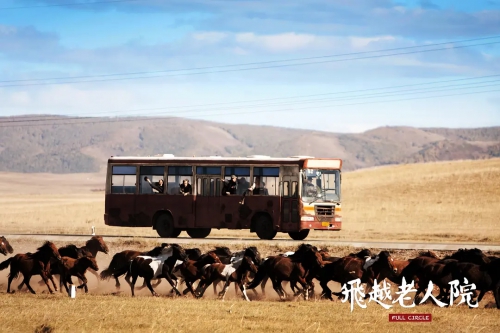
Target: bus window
x,y
154,174
295,189
123,179
176,175
242,178
286,189
266,181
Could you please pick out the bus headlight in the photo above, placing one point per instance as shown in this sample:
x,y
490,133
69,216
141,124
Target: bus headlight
x,y
307,218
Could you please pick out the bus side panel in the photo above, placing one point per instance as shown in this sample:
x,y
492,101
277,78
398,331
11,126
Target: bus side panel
x,y
181,208
119,210
261,204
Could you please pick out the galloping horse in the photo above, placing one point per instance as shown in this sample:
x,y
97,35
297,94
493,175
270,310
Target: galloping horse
x,y
5,247
352,267
295,268
229,274
190,271
120,263
157,267
30,264
94,245
76,267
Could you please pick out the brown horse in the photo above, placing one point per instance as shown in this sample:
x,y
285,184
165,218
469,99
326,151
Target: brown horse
x,y
120,263
190,271
94,245
294,268
352,267
76,267
30,264
5,247
226,273
157,267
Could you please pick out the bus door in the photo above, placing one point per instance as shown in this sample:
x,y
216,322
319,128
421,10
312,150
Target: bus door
x,y
290,217
208,193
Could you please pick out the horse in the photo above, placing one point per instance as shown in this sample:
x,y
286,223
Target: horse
x,y
294,268
157,267
229,274
30,264
94,245
235,260
76,267
5,247
475,256
120,263
192,270
352,267
486,277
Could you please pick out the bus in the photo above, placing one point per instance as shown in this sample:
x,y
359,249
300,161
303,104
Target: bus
x,y
273,194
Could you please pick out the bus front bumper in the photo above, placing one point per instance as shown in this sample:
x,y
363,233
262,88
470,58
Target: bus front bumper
x,y
334,224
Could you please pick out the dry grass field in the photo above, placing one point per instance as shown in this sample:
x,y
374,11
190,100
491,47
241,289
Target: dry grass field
x,y
437,202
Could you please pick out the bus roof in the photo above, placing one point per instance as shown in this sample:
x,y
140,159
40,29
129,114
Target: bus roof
x,y
212,159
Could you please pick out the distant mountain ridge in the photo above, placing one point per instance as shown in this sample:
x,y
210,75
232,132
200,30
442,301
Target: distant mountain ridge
x,y
75,146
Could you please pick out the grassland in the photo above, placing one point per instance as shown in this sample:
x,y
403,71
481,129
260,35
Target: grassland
x,y
446,201
26,313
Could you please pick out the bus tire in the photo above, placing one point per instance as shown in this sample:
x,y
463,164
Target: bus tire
x,y
165,226
264,227
198,232
299,235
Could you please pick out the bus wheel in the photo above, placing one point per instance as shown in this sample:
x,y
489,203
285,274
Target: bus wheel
x,y
198,232
299,235
165,227
264,228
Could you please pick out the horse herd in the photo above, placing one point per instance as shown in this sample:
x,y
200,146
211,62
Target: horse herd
x,y
247,269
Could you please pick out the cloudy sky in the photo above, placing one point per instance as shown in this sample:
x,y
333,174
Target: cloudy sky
x,y
334,65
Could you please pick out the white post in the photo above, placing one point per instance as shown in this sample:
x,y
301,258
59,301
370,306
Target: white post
x,y
93,231
72,291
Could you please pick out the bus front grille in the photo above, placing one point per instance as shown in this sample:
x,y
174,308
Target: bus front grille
x,y
324,211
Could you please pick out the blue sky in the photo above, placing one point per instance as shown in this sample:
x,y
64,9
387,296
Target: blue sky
x,y
93,40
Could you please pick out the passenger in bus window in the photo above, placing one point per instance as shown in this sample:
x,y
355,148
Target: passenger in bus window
x,y
185,187
229,186
255,188
156,186
243,186
263,189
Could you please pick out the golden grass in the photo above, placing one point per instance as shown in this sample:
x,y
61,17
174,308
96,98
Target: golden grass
x,y
447,201
90,313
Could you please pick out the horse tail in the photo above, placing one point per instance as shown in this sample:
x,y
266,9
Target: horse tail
x,y
259,276
112,268
5,264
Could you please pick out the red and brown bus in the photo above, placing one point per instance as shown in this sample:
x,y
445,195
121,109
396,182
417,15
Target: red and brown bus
x,y
293,194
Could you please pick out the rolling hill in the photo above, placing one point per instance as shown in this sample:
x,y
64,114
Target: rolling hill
x,y
75,146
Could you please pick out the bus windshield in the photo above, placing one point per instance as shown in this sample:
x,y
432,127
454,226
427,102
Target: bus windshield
x,y
321,185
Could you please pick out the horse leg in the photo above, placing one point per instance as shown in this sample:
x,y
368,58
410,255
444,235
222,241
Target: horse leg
x,y
117,283
51,278
27,283
327,292
132,284
243,290
19,287
46,280
277,287
190,288
170,280
84,284
90,270
150,287
222,294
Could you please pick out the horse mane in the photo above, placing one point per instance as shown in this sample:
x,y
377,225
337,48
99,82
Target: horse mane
x,y
194,253
223,251
46,246
362,254
93,239
428,253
